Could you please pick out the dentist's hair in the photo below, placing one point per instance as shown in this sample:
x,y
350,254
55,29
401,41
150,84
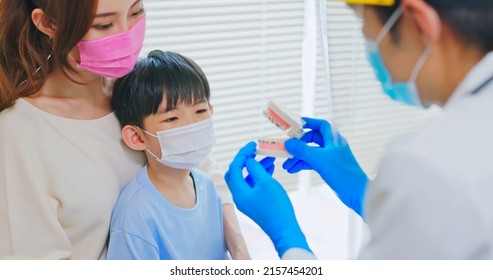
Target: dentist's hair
x,y
470,20
160,76
24,49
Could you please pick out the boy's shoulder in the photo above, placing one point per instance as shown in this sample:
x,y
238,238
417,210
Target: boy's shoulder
x,y
203,181
132,202
134,189
200,177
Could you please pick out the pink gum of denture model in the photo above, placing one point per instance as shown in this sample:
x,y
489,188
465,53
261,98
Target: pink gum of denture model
x,y
285,120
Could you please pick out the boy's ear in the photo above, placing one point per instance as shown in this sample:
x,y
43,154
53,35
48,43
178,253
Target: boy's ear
x,y
133,137
211,108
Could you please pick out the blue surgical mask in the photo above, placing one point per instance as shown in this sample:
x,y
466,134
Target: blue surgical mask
x,y
405,92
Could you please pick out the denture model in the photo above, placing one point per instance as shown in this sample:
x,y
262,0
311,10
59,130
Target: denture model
x,y
285,120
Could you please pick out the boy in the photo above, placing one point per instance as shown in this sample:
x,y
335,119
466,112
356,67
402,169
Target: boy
x,y
169,210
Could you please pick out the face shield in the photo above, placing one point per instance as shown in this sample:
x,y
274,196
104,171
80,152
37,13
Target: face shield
x,y
405,92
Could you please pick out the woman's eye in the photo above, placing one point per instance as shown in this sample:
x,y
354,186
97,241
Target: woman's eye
x,y
139,12
172,119
103,26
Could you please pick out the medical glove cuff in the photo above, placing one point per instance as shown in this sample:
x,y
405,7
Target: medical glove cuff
x,y
358,199
289,239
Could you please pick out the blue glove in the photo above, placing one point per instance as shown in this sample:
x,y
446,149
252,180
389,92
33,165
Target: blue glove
x,y
332,159
268,164
264,200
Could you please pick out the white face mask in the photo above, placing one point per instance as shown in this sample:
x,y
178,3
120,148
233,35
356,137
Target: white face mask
x,y
187,146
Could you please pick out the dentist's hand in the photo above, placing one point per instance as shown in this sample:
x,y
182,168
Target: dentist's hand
x,y
264,200
332,159
268,164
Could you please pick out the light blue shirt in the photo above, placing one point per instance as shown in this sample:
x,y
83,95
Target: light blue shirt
x,y
146,226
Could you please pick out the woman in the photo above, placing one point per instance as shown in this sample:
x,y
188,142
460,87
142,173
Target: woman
x,y
432,196
63,162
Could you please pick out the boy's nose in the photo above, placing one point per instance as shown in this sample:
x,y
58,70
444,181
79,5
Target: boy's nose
x,y
191,119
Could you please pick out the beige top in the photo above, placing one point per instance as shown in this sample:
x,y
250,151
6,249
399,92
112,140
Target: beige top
x,y
59,180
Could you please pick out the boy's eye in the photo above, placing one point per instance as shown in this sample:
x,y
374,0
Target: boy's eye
x,y
201,111
172,119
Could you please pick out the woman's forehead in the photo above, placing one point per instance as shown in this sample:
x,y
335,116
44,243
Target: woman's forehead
x,y
115,6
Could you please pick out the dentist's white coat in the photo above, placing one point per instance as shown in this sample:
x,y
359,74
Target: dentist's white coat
x,y
433,195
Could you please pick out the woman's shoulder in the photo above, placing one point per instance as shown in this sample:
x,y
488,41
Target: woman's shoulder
x,y
17,120
19,135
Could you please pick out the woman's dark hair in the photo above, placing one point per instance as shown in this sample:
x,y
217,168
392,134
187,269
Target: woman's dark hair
x,y
24,49
470,20
161,75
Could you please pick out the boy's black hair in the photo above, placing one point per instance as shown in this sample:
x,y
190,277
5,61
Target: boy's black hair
x,y
160,75
470,20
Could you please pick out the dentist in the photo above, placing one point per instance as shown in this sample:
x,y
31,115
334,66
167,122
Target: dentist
x,y
432,196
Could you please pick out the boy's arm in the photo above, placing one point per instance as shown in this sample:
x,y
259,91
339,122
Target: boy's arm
x,y
232,232
216,171
125,246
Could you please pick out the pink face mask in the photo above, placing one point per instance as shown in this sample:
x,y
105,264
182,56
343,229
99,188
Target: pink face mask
x,y
113,56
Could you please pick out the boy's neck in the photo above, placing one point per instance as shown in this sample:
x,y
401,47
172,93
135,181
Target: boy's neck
x,y
176,185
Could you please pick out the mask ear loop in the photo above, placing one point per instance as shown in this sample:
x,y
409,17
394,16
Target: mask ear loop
x,y
106,84
360,11
389,24
35,71
148,133
421,62
39,68
149,151
73,59
424,57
